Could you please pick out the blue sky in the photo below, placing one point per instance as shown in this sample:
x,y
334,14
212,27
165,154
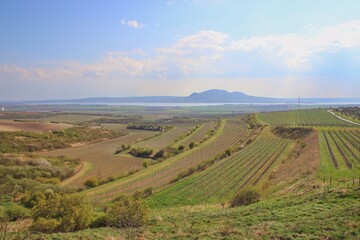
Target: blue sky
x,y
276,48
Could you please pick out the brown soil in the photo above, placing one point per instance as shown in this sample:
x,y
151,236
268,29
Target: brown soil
x,y
298,173
9,125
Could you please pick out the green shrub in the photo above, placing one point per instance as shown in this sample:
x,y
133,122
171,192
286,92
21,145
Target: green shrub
x,y
15,212
45,225
128,212
70,210
92,182
101,219
141,151
245,197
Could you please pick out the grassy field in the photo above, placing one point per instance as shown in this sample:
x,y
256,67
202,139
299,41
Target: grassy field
x,y
313,117
100,159
232,133
220,182
10,125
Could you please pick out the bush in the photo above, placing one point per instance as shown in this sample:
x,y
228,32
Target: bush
x,y
45,225
128,212
160,154
71,211
141,151
245,197
100,220
15,212
92,182
191,145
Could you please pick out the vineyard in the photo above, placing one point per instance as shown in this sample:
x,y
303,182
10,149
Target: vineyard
x,y
223,180
164,139
232,133
101,159
198,135
313,117
340,151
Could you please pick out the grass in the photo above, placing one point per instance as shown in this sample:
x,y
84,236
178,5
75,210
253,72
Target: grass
x,y
334,215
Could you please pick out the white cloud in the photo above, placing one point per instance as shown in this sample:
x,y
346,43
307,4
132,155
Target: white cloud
x,y
132,23
296,50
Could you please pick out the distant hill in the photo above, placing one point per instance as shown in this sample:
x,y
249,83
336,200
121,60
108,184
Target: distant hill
x,y
209,96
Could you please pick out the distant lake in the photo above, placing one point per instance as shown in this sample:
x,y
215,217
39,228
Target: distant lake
x,y
202,104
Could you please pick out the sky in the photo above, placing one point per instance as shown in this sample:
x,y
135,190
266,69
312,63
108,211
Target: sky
x,y
276,48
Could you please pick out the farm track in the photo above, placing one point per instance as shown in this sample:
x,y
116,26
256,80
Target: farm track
x,y
102,159
233,133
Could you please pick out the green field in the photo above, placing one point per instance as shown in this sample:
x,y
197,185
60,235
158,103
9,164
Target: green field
x,y
313,117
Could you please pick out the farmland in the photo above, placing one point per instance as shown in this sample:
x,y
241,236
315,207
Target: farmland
x,y
304,161
10,125
197,136
340,152
313,117
232,133
223,180
164,139
100,158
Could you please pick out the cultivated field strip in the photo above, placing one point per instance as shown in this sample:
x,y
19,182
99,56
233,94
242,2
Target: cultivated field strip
x,y
340,151
27,126
233,134
313,117
165,139
102,159
223,180
198,135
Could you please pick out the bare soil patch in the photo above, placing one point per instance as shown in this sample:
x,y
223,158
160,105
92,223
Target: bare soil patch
x,y
11,126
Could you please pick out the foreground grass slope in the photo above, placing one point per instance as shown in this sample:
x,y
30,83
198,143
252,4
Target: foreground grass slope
x,y
334,215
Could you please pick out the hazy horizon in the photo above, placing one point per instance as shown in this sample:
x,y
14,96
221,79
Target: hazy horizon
x,y
81,49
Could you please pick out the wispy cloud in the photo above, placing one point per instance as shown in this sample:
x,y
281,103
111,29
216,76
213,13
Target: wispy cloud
x,y
132,23
297,50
